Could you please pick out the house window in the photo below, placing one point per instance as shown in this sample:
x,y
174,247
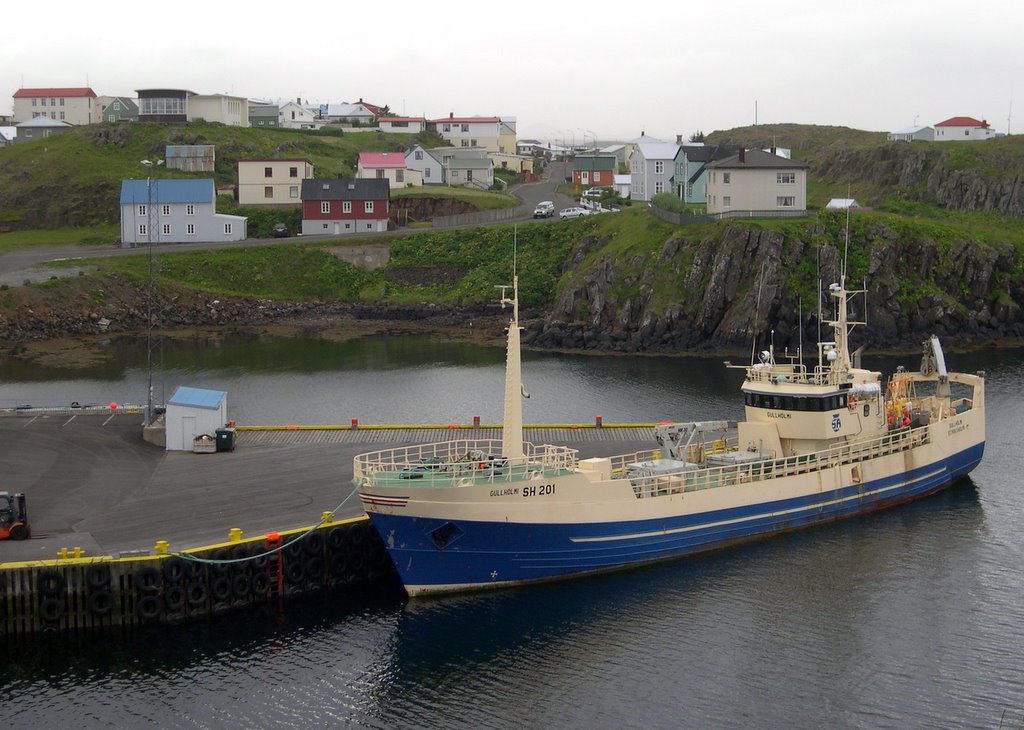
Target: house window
x,y
325,226
465,127
62,116
369,226
726,201
399,175
426,173
689,190
166,230
325,206
785,201
165,210
419,155
117,106
268,191
110,117
346,206
293,172
142,210
726,178
53,102
967,133
446,127
659,167
465,143
785,178
293,191
190,229
142,229
268,172
659,187
227,228
53,115
190,209
62,101
34,102
368,206
472,143
380,174
348,226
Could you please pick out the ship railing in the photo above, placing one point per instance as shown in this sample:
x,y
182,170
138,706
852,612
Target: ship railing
x,y
691,479
453,460
780,374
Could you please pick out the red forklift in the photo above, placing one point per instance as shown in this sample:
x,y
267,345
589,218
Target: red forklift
x,y
13,517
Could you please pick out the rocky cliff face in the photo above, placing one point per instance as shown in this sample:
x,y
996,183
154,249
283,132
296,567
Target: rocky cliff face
x,y
755,282
980,178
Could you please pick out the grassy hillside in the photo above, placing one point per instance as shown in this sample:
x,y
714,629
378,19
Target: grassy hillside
x,y
848,162
74,179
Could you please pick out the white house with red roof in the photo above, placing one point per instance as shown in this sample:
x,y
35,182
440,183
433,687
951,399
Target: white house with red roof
x,y
963,129
402,125
387,166
74,105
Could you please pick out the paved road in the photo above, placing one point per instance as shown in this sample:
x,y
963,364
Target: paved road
x,y
91,481
29,264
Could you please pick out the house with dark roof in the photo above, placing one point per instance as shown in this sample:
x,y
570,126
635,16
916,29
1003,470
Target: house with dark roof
x,y
593,170
339,206
753,182
119,109
166,210
74,105
689,180
963,129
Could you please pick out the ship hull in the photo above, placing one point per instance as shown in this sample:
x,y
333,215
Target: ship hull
x,y
481,537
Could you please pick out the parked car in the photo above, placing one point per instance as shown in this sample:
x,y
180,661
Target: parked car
x,y
595,192
544,209
574,212
280,230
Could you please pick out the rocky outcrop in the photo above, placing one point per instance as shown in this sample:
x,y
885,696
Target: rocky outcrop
x,y
721,294
424,209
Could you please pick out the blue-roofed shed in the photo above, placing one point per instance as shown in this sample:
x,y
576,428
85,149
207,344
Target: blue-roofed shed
x,y
193,412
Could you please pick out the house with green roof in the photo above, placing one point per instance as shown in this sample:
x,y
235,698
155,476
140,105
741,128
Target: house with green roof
x,y
593,170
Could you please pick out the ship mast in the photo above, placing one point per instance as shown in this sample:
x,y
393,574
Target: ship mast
x,y
512,423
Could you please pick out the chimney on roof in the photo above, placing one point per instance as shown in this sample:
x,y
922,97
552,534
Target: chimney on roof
x,y
743,156
451,115
773,149
298,99
679,139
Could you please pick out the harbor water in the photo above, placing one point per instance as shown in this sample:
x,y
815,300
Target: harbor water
x,y
909,618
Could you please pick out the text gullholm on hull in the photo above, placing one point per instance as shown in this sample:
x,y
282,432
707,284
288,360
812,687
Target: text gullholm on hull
x,y
818,443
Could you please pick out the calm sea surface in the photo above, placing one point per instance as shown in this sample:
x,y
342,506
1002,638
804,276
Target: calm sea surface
x,y
911,618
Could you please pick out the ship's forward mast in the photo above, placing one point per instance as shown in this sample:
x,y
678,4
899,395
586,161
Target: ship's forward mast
x,y
836,354
512,422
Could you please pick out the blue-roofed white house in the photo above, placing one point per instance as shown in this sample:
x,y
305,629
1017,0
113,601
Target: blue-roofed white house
x,y
652,166
175,211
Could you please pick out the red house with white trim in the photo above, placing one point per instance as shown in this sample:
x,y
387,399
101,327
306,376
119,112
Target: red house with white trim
x,y
333,207
593,171
963,129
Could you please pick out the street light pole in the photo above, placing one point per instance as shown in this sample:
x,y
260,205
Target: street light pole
x,y
149,292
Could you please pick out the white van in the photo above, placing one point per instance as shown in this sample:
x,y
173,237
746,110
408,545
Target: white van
x,y
544,209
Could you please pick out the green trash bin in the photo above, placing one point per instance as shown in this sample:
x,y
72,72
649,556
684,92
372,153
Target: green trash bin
x,y
225,439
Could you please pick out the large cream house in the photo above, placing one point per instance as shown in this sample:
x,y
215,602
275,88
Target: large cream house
x,y
275,182
753,181
71,105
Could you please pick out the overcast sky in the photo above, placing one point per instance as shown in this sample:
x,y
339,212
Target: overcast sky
x,y
581,69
